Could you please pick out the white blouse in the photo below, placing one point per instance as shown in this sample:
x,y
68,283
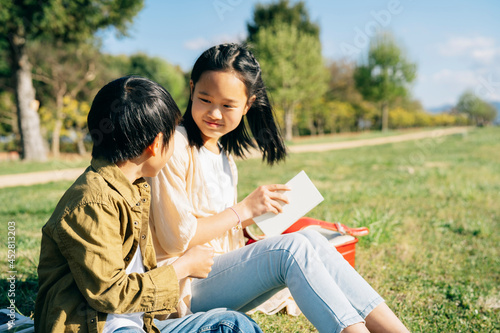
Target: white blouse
x,y
218,177
184,191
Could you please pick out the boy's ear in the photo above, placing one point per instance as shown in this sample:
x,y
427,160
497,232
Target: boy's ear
x,y
249,104
155,148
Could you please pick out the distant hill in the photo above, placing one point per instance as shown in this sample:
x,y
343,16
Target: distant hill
x,y
440,109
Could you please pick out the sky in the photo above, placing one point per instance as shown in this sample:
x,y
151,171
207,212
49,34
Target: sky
x,y
455,43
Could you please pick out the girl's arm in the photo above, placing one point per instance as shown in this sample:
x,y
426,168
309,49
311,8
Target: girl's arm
x,y
263,200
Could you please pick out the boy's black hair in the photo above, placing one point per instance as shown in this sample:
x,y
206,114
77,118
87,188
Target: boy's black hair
x,y
260,117
126,116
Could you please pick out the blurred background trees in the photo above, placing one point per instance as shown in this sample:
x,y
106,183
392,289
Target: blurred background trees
x,y
51,67
58,22
287,45
385,74
477,110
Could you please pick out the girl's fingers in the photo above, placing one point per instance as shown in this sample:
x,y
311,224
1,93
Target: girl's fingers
x,y
275,206
278,187
279,196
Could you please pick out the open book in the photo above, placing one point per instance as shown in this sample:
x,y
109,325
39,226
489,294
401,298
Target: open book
x,y
302,197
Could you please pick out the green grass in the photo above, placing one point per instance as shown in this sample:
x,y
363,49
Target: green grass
x,y
69,161
16,167
339,137
433,211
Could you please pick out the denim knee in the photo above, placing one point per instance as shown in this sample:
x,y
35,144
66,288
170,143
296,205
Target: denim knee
x,y
313,236
293,242
231,322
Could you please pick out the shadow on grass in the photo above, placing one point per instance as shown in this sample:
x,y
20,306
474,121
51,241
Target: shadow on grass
x,y
23,293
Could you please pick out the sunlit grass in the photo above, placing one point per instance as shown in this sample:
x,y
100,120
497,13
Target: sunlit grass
x,y
433,211
350,136
68,162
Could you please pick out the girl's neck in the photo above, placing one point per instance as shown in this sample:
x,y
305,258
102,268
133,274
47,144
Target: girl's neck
x,y
212,145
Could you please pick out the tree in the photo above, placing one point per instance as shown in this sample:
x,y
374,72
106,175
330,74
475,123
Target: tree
x,y
292,67
287,45
342,88
63,71
479,111
23,21
385,75
167,75
281,12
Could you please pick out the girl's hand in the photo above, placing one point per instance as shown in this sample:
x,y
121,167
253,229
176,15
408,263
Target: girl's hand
x,y
265,199
196,262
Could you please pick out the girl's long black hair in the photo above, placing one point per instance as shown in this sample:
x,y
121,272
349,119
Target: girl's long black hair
x,y
260,117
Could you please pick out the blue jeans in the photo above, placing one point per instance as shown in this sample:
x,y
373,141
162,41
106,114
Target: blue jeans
x,y
213,321
330,293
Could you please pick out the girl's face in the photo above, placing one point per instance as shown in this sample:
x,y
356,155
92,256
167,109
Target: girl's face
x,y
219,101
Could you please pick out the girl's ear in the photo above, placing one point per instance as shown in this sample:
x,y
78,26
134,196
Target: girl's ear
x,y
191,87
249,104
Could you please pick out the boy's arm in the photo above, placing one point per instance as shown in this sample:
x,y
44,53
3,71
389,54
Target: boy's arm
x,y
89,238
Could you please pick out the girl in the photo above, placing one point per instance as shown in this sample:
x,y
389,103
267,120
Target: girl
x,y
194,202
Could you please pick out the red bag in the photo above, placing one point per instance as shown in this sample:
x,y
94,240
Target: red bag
x,y
338,234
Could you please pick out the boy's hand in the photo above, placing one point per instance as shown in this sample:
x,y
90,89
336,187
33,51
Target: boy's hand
x,y
196,262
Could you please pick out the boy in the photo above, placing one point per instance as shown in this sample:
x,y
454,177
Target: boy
x,y
97,270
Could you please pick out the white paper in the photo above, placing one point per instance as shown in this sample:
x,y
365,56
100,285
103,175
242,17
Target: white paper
x,y
302,197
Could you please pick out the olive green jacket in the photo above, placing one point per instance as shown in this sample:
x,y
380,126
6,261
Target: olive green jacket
x,y
86,246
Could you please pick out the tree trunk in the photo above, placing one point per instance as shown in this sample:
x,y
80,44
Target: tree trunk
x,y
56,136
80,145
385,116
289,123
56,133
32,145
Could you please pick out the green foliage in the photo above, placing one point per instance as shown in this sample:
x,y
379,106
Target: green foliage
x,y
479,112
292,68
5,66
287,45
66,21
159,70
8,118
386,73
281,12
291,63
51,21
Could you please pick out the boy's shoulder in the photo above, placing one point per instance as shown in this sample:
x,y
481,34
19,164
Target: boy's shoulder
x,y
91,187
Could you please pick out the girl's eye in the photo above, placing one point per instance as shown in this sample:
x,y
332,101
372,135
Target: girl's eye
x,y
204,100
229,106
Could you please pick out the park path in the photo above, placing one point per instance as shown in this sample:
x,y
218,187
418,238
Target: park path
x,y
32,178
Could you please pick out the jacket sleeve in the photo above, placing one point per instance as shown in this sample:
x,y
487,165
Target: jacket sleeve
x,y
90,238
173,223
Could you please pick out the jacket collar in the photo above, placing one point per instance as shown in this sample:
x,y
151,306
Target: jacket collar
x,y
116,179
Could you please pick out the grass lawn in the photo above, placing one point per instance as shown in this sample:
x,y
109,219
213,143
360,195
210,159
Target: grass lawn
x,y
16,167
433,211
68,161
338,137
